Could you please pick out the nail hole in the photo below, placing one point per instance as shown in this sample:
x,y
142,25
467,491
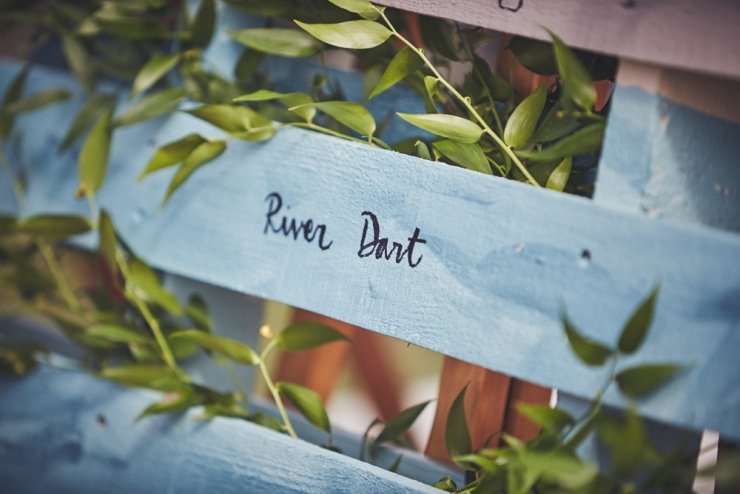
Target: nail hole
x,y
100,419
585,258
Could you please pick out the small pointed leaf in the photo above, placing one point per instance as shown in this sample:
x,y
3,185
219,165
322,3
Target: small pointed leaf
x,y
588,351
117,333
450,126
396,427
15,89
295,101
88,114
457,437
353,115
231,118
278,41
203,24
587,139
153,376
78,60
157,67
403,63
362,8
172,153
204,153
559,176
522,122
145,284
38,100
197,312
551,419
638,325
177,401
307,335
469,156
93,159
642,380
577,83
232,349
308,403
151,106
53,225
107,240
356,35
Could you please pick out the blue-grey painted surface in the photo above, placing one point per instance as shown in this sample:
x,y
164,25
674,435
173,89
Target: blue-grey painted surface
x,y
65,431
666,160
500,257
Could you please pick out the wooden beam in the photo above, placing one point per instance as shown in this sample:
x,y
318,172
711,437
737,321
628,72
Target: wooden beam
x,y
695,36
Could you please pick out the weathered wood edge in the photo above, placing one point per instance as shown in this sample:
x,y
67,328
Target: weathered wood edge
x,y
68,431
696,36
494,302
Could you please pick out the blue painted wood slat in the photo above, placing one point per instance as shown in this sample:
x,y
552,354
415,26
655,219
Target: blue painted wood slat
x,y
66,431
499,256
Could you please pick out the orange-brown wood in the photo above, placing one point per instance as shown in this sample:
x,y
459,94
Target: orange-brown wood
x,y
485,404
319,369
524,392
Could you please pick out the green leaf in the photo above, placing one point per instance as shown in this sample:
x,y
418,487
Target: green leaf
x,y
156,68
151,106
577,83
400,424
422,151
203,24
53,225
107,242
79,61
559,176
176,401
197,312
231,118
551,419
204,153
357,35
569,472
117,333
522,122
37,100
642,380
93,159
534,54
362,8
231,349
291,100
278,41
638,325
94,106
308,403
450,126
587,139
257,134
353,115
469,156
145,284
457,437
307,335
588,351
629,446
172,153
248,64
152,376
403,63
446,484
11,96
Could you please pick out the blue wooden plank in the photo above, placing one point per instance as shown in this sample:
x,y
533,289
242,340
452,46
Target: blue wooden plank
x,y
664,159
65,431
499,256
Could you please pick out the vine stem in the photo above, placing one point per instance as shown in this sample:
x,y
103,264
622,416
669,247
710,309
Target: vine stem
x,y
462,99
164,347
274,391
